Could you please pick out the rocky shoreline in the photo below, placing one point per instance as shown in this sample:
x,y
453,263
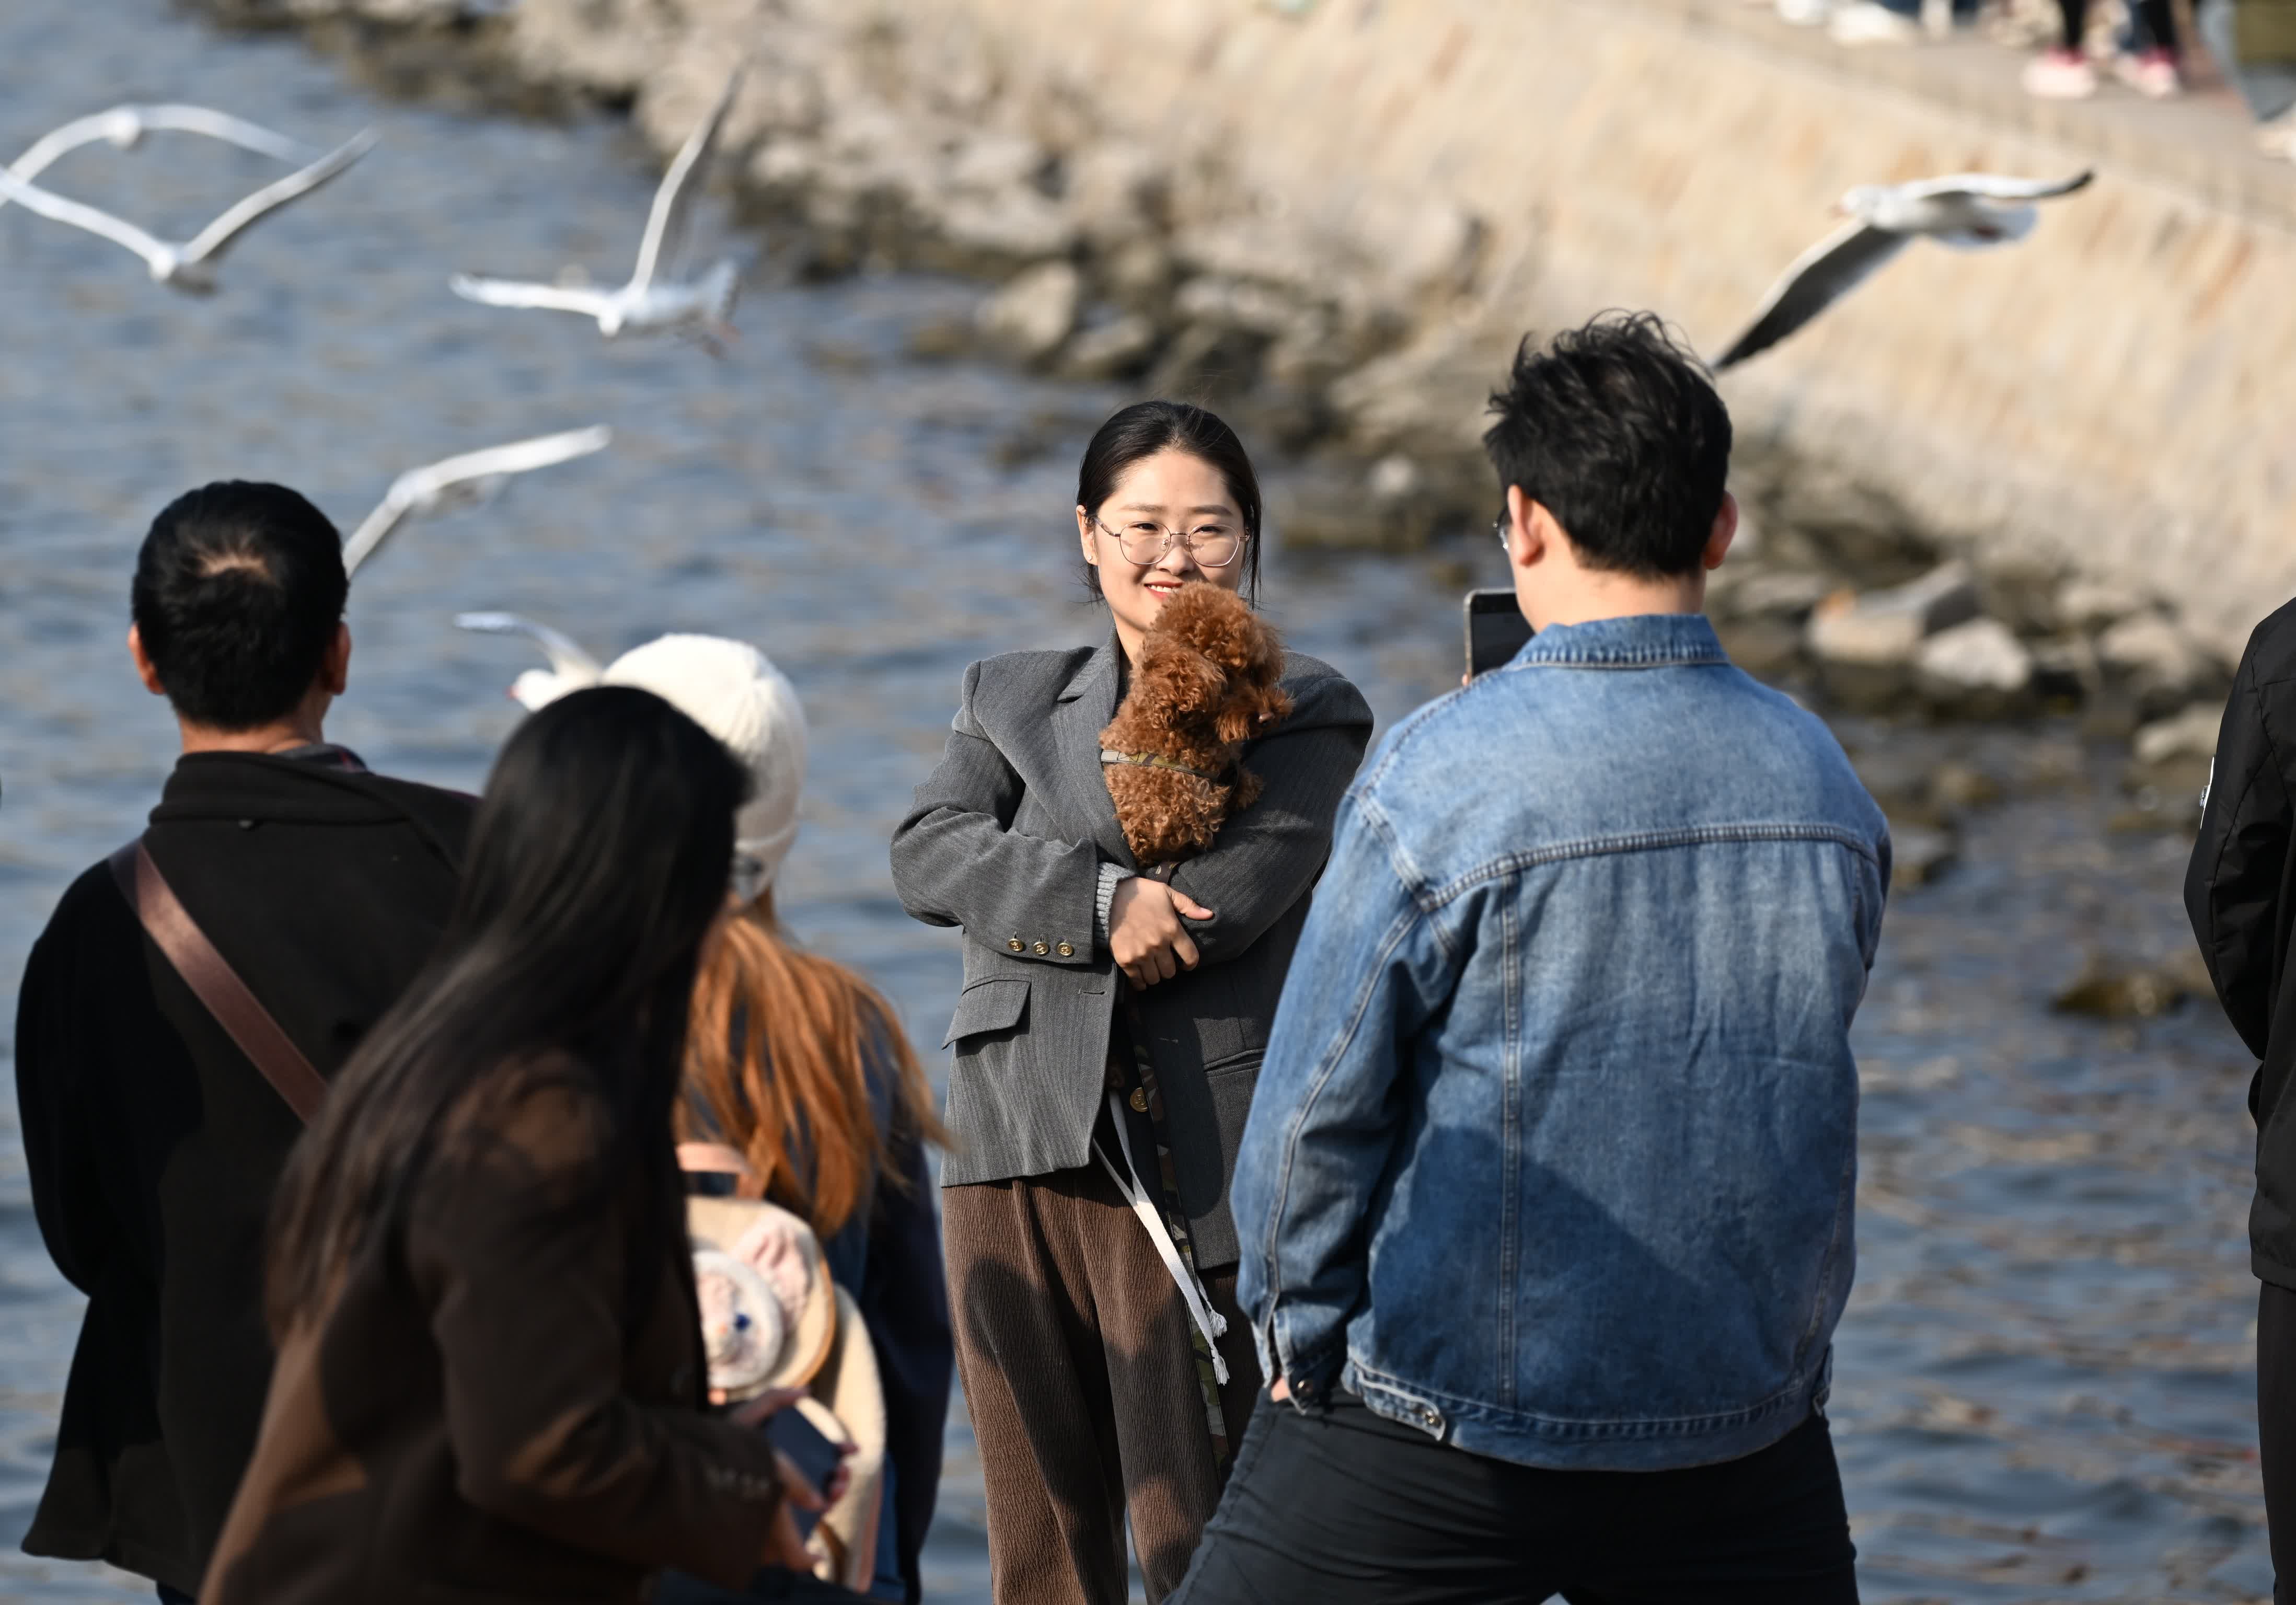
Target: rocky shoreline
x,y
862,142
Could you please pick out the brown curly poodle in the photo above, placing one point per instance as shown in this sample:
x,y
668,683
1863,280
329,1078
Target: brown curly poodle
x,y
1205,685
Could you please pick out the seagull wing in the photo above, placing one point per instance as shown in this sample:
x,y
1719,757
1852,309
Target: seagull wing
x,y
668,215
210,240
1821,275
80,131
222,126
377,527
1994,186
522,293
57,210
566,655
519,456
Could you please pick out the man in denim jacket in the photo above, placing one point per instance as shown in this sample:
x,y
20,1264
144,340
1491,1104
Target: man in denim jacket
x,y
1549,1175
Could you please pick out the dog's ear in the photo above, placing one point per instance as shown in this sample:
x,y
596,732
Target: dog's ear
x,y
1192,683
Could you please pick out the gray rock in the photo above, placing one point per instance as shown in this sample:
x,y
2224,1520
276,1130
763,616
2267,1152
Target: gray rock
x,y
1978,668
1919,856
2066,668
1031,317
2090,605
2192,733
1116,193
1790,594
1008,225
2155,659
1105,351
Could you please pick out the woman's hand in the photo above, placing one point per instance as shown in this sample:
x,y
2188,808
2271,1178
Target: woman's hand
x,y
1146,936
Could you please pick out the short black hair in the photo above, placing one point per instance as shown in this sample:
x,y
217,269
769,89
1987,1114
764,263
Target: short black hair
x,y
1615,428
1146,428
239,588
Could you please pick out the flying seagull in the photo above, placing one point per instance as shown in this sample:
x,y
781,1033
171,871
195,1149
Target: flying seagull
x,y
641,305
571,669
190,265
1968,211
125,127
454,481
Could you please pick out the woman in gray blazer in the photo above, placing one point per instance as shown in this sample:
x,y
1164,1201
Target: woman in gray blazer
x,y
1107,1040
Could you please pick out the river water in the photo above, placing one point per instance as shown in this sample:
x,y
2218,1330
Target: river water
x,y
2044,1384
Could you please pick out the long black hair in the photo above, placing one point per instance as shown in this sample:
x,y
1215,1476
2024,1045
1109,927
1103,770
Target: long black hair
x,y
597,864
1146,428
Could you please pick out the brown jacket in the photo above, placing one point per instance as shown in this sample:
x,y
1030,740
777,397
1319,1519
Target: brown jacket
x,y
472,1418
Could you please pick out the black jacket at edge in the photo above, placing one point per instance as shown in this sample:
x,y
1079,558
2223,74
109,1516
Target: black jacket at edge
x,y
153,1143
2242,899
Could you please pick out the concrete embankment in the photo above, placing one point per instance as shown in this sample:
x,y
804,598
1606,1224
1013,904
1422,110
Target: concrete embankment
x,y
1339,214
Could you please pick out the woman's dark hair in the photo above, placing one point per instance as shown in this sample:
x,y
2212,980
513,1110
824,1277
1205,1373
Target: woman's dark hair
x,y
1615,428
238,589
597,863
1148,427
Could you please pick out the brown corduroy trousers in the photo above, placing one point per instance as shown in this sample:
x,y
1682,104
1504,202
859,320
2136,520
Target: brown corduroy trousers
x,y
1074,1349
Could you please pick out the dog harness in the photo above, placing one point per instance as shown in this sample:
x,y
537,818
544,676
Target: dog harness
x,y
1149,761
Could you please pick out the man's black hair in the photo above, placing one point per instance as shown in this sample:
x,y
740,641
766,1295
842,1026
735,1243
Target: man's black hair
x,y
1615,428
238,589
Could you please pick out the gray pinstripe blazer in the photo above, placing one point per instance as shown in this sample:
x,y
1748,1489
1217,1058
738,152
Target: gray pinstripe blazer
x,y
1006,840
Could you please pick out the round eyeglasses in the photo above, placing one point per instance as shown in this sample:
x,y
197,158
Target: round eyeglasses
x,y
1145,542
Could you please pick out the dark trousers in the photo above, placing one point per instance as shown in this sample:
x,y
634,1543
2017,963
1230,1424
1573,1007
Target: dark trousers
x,y
1074,1349
1344,1507
2275,1429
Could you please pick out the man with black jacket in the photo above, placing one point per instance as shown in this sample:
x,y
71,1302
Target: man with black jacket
x,y
153,1140
2241,892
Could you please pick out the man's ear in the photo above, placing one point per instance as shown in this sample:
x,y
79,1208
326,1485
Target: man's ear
x,y
335,667
1724,531
1533,531
142,662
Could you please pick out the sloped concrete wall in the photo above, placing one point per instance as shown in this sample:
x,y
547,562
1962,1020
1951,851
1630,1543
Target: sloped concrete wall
x,y
2116,393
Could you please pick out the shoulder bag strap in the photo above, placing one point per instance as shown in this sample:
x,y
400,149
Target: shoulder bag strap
x,y
216,984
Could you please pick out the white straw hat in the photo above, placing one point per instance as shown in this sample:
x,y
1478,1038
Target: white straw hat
x,y
733,691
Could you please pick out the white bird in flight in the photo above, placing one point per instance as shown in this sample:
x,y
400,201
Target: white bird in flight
x,y
187,267
1968,211
125,127
641,305
571,669
456,481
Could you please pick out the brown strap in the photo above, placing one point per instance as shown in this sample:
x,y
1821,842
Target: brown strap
x,y
216,984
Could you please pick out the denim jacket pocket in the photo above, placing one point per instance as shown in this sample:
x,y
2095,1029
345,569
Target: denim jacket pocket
x,y
985,1007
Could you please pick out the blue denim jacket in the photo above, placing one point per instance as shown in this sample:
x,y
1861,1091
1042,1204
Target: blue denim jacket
x,y
1554,1149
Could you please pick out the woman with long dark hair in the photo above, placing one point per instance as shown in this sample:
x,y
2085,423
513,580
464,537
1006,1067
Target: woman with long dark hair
x,y
1091,1252
490,1382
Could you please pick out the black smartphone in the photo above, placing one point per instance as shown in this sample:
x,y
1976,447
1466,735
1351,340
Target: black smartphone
x,y
1495,630
815,1453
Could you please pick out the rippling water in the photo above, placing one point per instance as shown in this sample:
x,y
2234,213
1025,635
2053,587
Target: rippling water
x,y
2045,1381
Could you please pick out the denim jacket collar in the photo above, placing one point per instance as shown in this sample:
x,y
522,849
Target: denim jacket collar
x,y
1643,640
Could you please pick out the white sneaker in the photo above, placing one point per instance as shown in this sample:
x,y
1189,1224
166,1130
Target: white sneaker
x,y
2278,137
1867,23
2060,75
1805,13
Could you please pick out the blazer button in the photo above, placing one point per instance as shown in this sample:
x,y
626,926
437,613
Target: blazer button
x,y
1138,1101
1065,951
1017,944
1042,949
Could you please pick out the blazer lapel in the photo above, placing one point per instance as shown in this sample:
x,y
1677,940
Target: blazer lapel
x,y
1085,707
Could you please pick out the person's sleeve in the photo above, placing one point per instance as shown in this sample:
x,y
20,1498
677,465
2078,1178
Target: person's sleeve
x,y
1267,856
904,1303
1370,971
54,1059
524,1262
2233,887
958,861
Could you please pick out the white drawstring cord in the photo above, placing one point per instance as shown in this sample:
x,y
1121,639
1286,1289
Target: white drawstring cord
x,y
1208,1321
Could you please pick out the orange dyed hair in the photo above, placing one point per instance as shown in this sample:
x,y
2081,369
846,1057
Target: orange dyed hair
x,y
795,1085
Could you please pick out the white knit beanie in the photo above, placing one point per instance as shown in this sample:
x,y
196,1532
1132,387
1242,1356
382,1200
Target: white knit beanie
x,y
733,691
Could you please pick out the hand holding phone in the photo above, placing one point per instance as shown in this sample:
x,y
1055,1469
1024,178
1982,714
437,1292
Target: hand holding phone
x,y
1495,630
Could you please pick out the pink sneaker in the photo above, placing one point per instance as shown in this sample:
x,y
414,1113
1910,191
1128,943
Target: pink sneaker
x,y
2151,73
2060,75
